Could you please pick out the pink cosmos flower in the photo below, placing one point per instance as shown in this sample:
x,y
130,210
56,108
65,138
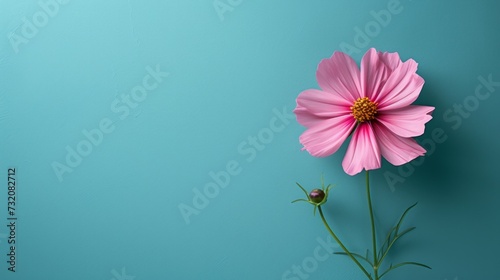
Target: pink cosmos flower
x,y
374,104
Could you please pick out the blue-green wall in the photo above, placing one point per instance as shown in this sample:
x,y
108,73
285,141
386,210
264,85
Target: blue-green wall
x,y
167,99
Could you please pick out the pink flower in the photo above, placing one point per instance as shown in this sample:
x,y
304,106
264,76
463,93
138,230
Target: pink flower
x,y
374,104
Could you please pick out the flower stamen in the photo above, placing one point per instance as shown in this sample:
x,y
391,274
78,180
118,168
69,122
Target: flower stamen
x,y
364,109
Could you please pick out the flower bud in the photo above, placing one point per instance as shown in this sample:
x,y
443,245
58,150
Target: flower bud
x,y
317,195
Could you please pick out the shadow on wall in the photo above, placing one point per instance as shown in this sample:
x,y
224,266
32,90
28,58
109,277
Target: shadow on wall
x,y
455,153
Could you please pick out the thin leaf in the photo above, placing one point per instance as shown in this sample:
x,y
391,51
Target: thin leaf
x,y
403,216
300,199
390,241
405,232
387,241
356,255
389,246
304,190
402,264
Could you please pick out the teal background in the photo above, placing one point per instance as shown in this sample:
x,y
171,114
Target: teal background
x,y
117,216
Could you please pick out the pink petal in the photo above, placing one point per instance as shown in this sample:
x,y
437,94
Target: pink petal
x,y
395,149
391,60
406,122
363,151
316,105
402,87
326,137
374,73
339,74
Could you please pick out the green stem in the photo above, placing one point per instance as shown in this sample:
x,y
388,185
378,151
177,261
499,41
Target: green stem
x,y
374,240
341,244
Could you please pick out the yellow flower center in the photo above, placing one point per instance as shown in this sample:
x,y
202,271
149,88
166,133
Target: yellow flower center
x,y
364,109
